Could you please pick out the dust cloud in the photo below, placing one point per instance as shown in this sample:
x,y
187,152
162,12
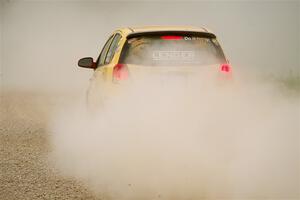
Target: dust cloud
x,y
217,141
231,141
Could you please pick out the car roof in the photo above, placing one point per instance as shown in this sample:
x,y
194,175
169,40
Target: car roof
x,y
145,29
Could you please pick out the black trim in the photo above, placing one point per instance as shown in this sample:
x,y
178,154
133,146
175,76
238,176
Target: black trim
x,y
184,33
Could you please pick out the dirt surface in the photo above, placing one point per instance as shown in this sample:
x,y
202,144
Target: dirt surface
x,y
25,170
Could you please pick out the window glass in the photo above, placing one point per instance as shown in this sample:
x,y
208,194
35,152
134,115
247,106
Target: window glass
x,y
112,49
104,51
172,50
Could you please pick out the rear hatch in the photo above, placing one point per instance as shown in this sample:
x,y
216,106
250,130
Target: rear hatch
x,y
172,58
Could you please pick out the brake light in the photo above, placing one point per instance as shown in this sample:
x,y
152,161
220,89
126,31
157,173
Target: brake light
x,y
120,72
226,68
171,37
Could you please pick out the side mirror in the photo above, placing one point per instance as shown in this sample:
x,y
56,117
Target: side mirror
x,y
87,62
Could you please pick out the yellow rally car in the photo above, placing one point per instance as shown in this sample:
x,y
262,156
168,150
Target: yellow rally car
x,y
137,53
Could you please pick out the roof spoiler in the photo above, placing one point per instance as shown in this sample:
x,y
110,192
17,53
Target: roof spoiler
x,y
183,33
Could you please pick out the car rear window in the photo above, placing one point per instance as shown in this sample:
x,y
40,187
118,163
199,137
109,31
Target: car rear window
x,y
172,50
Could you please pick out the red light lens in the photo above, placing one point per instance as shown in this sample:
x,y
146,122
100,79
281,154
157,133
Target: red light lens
x,y
225,68
120,72
171,37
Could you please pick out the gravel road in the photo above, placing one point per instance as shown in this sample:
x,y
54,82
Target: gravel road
x,y
25,170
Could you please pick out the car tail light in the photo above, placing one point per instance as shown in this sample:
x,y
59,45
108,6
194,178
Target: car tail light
x,y
171,37
120,72
225,68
